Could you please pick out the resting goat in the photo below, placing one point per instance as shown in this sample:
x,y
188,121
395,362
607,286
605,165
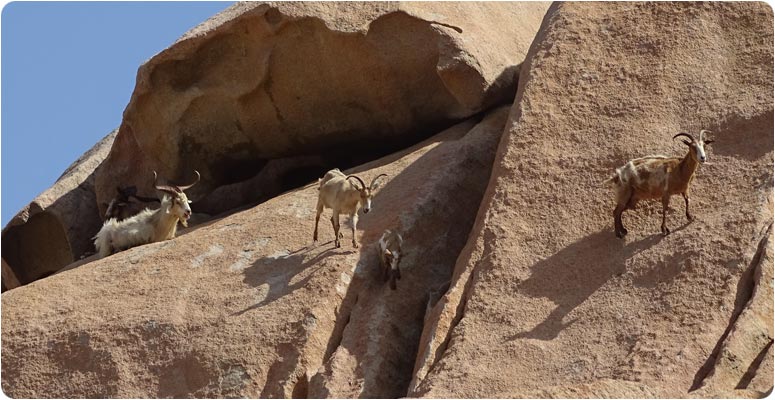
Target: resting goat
x,y
657,177
148,226
122,207
340,194
390,253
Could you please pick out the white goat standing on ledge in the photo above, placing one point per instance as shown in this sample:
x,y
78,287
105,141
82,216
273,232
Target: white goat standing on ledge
x,y
148,226
340,194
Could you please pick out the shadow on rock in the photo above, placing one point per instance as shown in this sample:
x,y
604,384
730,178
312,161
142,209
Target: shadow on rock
x,y
570,276
278,271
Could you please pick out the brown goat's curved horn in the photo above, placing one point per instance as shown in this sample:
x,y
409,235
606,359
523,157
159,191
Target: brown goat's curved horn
x,y
375,180
363,185
182,188
163,188
684,134
702,134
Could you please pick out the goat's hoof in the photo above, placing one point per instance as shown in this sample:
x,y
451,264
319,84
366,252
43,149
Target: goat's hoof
x,y
355,245
621,233
690,217
337,244
665,231
341,236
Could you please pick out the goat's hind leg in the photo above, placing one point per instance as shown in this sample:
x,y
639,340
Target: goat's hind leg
x,y
665,206
317,219
625,201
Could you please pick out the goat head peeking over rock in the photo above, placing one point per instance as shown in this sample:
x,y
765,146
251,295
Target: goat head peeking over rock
x,y
340,193
657,177
390,253
122,207
148,226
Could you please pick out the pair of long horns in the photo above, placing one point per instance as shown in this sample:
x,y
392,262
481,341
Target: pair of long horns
x,y
174,189
363,185
702,135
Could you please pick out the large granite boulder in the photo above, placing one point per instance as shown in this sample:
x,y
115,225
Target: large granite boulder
x,y
246,307
545,300
266,81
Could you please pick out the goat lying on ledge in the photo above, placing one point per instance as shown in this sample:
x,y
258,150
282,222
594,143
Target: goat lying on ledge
x,y
657,177
149,225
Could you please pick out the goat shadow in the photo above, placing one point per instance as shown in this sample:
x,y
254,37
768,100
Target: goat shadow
x,y
570,276
279,271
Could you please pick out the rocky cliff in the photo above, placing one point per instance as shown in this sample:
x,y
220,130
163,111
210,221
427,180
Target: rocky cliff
x,y
513,282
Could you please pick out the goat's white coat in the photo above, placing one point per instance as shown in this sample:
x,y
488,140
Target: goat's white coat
x,y
146,227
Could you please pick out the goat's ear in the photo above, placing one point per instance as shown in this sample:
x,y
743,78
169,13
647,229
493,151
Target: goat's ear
x,y
709,141
189,202
686,142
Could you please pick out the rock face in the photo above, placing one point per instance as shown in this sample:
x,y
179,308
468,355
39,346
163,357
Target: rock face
x,y
513,283
246,307
260,82
545,300
263,98
56,227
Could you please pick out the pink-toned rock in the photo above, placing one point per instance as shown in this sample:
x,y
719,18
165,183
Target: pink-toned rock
x,y
56,227
266,81
265,97
245,306
545,300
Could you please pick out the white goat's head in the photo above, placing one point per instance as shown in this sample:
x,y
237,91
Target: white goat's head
x,y
697,146
367,193
178,203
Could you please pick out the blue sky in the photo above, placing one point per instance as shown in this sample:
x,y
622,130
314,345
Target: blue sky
x,y
67,70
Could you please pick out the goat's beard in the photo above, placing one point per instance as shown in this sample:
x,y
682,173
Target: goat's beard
x,y
184,222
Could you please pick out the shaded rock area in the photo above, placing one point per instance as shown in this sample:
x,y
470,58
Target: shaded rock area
x,y
545,300
56,227
265,97
513,282
347,82
245,306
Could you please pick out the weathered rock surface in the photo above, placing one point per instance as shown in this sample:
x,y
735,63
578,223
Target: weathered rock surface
x,y
262,81
245,306
265,97
56,227
545,300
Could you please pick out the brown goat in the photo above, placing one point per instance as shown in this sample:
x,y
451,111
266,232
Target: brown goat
x,y
657,177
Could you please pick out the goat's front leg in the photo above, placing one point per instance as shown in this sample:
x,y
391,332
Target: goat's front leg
x,y
665,204
335,224
385,268
354,219
686,200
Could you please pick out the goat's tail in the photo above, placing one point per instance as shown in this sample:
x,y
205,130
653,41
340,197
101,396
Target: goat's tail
x,y
320,183
612,181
